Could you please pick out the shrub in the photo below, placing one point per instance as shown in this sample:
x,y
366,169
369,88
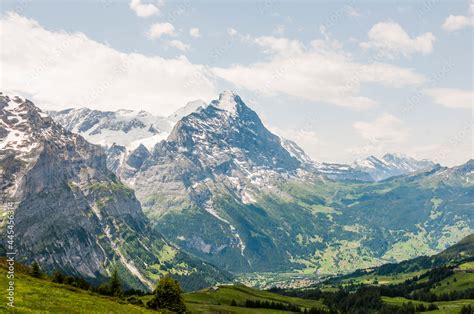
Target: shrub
x,y
167,295
58,277
35,270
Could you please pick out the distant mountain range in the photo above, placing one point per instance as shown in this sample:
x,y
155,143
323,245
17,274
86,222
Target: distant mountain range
x,y
126,130
217,184
391,165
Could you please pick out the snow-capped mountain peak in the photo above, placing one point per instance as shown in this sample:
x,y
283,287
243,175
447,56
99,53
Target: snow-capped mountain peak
x,y
123,127
389,165
229,102
23,126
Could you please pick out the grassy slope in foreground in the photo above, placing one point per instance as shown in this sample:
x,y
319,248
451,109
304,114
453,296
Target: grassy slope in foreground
x,y
34,295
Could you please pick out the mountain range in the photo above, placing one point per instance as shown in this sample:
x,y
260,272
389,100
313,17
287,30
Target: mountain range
x,y
74,214
253,201
216,188
390,165
125,130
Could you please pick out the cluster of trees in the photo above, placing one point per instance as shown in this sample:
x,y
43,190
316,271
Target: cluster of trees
x,y
407,308
272,305
60,278
111,288
365,299
77,282
315,310
312,294
259,304
451,296
369,299
167,294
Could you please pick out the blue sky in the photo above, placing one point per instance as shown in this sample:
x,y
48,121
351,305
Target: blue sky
x,y
342,79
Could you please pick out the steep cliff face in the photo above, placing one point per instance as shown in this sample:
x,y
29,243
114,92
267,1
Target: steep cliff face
x,y
74,214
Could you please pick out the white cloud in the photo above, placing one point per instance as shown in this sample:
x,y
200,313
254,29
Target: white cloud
x,y
385,129
321,72
178,45
232,31
195,32
383,134
279,45
452,98
59,70
457,22
159,29
391,40
144,10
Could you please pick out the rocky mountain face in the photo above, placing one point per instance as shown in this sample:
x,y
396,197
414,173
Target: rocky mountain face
x,y
224,143
226,189
390,165
223,147
74,214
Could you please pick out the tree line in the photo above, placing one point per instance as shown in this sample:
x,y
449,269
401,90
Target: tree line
x,y
265,304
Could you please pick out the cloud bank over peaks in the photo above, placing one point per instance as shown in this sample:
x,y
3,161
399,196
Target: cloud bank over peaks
x,y
59,70
319,71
